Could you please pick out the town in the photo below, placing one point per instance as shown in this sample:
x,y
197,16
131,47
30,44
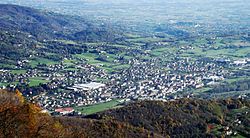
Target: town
x,y
116,58
87,84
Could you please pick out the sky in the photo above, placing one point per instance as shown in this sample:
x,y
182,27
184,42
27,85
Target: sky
x,y
235,12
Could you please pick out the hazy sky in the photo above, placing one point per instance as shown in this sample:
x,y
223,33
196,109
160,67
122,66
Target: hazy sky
x,y
158,11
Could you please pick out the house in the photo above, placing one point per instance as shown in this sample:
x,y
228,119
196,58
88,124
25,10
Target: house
x,y
64,111
240,62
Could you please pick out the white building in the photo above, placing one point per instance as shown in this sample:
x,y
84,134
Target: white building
x,y
87,87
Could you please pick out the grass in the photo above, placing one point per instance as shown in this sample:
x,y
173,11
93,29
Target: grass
x,y
67,42
68,62
36,61
36,81
161,51
108,69
243,51
158,52
101,80
71,69
94,43
216,130
89,57
201,90
216,109
91,109
122,66
114,67
240,110
119,46
18,71
106,65
236,79
126,56
234,52
145,39
6,65
228,52
238,136
3,84
132,35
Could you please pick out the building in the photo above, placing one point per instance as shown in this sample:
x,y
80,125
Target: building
x,y
240,62
64,111
87,87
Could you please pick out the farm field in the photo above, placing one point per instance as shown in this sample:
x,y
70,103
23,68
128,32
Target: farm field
x,y
91,109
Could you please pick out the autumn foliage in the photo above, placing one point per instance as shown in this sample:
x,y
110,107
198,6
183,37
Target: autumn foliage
x,y
180,118
22,119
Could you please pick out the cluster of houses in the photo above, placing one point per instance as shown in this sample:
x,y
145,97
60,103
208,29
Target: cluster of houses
x,y
239,62
57,75
76,95
143,80
151,79
146,80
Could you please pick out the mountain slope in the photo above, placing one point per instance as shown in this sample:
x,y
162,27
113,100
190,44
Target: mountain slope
x,y
19,118
44,25
189,118
26,32
181,118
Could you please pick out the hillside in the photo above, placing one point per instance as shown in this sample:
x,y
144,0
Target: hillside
x,y
189,118
19,118
46,25
27,34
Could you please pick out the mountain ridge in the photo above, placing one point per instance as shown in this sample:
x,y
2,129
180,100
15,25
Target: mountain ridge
x,y
48,25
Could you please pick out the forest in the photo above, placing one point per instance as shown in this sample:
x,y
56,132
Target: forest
x,y
186,117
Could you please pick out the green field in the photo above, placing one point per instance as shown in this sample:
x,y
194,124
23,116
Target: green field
x,y
201,90
2,84
68,62
115,67
145,39
91,58
91,109
109,65
163,50
36,81
7,66
67,42
34,62
234,53
18,71
236,79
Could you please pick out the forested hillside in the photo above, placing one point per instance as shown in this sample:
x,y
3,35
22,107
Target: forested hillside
x,y
185,117
46,25
190,118
19,118
27,33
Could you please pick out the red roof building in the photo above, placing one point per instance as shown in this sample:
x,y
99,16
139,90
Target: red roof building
x,y
64,110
